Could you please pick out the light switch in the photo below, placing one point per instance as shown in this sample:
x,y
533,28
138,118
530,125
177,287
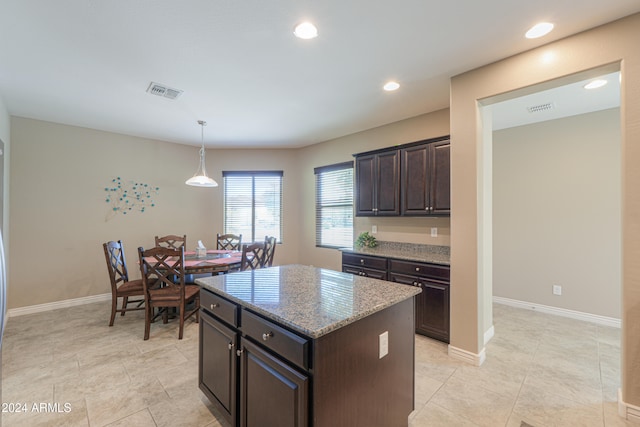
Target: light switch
x,y
374,229
383,344
434,231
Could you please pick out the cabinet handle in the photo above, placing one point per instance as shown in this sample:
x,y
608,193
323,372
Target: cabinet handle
x,y
215,305
267,335
231,346
238,353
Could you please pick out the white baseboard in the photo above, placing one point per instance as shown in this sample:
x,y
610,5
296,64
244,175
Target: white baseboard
x,y
39,308
466,356
626,410
579,315
489,334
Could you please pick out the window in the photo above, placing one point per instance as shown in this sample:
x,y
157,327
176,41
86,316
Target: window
x,y
253,204
334,205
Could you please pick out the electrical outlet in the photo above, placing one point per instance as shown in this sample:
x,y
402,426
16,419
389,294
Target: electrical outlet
x,y
374,229
383,344
434,231
557,290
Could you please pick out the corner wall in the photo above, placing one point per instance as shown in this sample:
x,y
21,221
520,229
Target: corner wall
x,y
556,213
61,218
614,43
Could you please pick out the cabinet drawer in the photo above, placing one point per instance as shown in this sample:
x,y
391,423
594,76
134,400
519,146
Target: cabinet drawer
x,y
364,261
219,307
440,272
292,347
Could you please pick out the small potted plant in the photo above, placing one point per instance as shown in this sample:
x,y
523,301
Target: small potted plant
x,y
366,240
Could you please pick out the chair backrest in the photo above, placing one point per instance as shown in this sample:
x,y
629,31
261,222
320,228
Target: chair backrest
x,y
116,263
270,250
231,242
172,241
162,267
252,256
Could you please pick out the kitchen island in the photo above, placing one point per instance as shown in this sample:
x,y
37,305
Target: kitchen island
x,y
302,346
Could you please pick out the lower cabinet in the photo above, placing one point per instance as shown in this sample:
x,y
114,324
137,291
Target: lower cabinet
x,y
250,385
271,392
259,373
364,265
218,376
431,305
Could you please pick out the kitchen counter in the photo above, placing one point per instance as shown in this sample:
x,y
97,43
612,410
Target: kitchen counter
x,y
309,300
302,346
407,251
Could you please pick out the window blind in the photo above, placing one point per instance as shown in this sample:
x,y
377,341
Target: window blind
x,y
334,205
253,204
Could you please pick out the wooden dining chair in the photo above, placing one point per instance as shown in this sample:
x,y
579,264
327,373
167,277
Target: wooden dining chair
x,y
159,268
252,256
270,250
121,286
172,241
230,242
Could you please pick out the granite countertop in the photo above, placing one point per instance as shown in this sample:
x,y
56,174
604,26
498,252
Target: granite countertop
x,y
407,251
313,301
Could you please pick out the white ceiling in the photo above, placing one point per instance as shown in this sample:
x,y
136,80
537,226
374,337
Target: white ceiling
x,y
567,100
89,62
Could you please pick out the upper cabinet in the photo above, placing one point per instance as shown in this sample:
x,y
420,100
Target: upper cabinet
x,y
426,179
410,179
378,184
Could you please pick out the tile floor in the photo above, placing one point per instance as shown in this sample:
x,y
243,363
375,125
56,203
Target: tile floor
x,y
541,369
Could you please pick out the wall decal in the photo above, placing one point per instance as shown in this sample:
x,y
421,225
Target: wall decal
x,y
128,197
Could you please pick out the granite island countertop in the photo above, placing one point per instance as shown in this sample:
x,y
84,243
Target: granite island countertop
x,y
312,301
406,251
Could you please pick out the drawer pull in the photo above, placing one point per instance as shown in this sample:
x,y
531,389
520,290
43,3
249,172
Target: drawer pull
x,y
214,305
267,335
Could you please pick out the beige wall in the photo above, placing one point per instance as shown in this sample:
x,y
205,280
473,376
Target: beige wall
x,y
615,43
61,219
556,213
412,230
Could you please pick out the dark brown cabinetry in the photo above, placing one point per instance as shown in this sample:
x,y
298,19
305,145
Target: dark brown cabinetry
x,y
363,265
260,373
410,179
431,305
378,184
250,385
425,179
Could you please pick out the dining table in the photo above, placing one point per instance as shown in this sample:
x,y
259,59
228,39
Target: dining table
x,y
214,261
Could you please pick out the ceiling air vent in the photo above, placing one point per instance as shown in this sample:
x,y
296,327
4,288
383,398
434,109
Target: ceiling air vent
x,y
540,108
164,91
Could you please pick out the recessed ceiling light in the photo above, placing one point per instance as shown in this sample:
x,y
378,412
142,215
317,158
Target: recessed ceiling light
x,y
391,86
305,30
594,84
539,30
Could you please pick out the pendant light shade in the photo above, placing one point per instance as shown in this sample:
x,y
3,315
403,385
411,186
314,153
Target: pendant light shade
x,y
200,178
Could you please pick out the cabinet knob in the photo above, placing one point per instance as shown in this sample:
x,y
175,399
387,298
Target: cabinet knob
x,y
361,261
231,346
417,268
238,353
214,305
267,335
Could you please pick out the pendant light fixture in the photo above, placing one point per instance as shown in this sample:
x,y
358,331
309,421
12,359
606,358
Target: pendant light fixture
x,y
200,178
